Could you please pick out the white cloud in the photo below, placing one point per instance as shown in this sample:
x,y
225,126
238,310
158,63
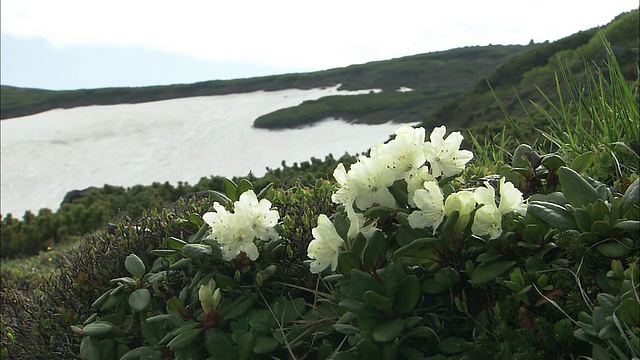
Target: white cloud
x,y
319,34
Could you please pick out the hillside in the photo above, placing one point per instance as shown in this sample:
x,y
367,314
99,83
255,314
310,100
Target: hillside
x,y
447,85
522,80
436,76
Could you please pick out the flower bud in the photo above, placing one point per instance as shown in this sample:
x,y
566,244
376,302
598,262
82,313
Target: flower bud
x,y
206,295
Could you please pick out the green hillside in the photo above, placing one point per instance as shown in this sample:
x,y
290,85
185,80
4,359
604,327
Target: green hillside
x,y
521,80
436,77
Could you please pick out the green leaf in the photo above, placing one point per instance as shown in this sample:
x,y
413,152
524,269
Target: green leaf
x,y
181,263
431,286
347,261
575,188
376,245
583,219
362,282
601,228
140,300
486,272
230,189
488,257
175,243
246,343
134,266
261,195
197,237
616,248
163,252
399,192
419,251
378,301
521,157
451,345
555,197
582,162
101,299
552,162
143,352
609,332
379,212
357,245
517,278
360,308
197,251
243,185
262,321
388,331
219,344
265,345
408,293
184,339
630,198
98,328
391,277
175,306
367,350
91,348
342,226
554,215
235,308
220,198
629,312
628,225
196,220
287,311
345,329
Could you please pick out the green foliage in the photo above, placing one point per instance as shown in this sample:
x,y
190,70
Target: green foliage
x,y
85,211
528,78
559,281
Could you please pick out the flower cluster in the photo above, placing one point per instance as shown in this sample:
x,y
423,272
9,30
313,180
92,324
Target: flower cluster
x,y
409,158
488,218
236,231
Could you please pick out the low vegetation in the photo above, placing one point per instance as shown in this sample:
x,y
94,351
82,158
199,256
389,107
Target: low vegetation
x,y
452,72
553,277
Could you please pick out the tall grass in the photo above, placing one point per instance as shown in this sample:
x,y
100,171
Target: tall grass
x,y
595,113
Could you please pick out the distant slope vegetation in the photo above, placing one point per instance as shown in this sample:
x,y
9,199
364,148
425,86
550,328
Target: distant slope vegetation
x,y
524,78
436,77
448,87
433,78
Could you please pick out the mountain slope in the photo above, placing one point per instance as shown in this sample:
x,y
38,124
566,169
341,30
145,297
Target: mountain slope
x,y
445,74
521,80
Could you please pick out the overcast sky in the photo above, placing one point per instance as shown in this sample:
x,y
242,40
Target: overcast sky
x,y
71,44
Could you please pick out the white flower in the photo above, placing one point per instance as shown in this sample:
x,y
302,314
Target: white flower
x,y
511,199
345,193
235,232
485,195
217,220
430,202
415,180
260,217
370,180
325,246
462,201
488,218
238,238
487,221
444,155
358,224
403,154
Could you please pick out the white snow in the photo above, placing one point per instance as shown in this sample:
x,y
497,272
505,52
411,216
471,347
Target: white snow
x,y
48,154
